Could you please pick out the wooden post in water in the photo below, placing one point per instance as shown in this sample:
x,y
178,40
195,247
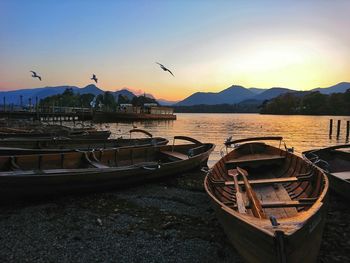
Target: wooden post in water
x,y
338,128
330,127
36,108
347,130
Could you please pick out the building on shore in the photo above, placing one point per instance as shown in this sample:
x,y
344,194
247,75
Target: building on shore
x,y
123,112
128,112
147,108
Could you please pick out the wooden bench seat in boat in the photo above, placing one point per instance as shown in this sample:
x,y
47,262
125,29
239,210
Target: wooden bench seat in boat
x,y
343,175
283,204
276,200
271,181
280,180
255,158
279,204
177,155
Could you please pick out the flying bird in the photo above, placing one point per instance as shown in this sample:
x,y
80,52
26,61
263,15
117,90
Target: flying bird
x,y
164,68
34,75
94,78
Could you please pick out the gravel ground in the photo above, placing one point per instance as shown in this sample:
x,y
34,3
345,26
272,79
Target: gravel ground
x,y
169,221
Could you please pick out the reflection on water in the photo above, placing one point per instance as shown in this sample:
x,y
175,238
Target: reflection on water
x,y
301,132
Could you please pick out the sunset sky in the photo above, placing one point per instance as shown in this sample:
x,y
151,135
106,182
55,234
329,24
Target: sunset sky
x,y
209,45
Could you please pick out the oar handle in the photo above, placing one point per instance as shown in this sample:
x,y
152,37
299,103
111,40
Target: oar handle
x,y
234,174
239,196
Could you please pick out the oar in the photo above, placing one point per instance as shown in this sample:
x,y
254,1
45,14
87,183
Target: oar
x,y
255,202
239,195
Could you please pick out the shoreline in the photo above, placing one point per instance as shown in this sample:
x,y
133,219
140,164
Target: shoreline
x,y
167,221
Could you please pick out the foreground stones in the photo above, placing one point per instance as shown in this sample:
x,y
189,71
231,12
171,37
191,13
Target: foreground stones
x,y
170,221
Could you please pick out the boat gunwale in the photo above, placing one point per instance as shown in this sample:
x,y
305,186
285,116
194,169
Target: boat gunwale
x,y
260,223
84,147
325,150
93,170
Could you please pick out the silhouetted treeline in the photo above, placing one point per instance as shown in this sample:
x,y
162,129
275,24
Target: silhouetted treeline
x,y
218,108
67,99
313,103
105,101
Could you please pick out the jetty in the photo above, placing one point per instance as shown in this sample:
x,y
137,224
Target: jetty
x,y
128,112
59,114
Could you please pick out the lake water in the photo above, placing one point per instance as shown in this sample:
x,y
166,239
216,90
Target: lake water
x,y
301,132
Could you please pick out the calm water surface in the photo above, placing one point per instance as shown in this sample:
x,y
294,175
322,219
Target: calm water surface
x,y
301,132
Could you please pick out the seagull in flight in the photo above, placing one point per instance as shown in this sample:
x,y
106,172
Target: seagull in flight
x,y
35,75
164,68
94,78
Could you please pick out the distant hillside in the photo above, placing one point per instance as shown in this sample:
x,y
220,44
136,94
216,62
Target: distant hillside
x,y
309,103
230,95
164,102
41,93
257,90
124,92
271,93
89,89
237,94
338,88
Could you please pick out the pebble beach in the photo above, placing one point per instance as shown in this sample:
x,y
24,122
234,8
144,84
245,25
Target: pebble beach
x,y
166,221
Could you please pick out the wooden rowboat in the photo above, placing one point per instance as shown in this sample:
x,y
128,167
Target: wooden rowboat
x,y
48,135
44,174
335,161
271,203
90,134
18,146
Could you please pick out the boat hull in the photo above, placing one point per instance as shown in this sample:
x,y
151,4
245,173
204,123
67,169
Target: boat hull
x,y
60,181
51,135
256,246
271,203
328,164
339,186
19,147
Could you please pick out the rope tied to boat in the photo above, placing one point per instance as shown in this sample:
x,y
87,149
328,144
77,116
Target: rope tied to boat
x,y
290,150
316,160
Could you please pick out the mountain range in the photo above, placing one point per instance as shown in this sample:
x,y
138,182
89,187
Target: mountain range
x,y
232,95
238,94
14,96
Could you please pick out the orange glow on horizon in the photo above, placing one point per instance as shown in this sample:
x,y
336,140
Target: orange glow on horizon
x,y
291,61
